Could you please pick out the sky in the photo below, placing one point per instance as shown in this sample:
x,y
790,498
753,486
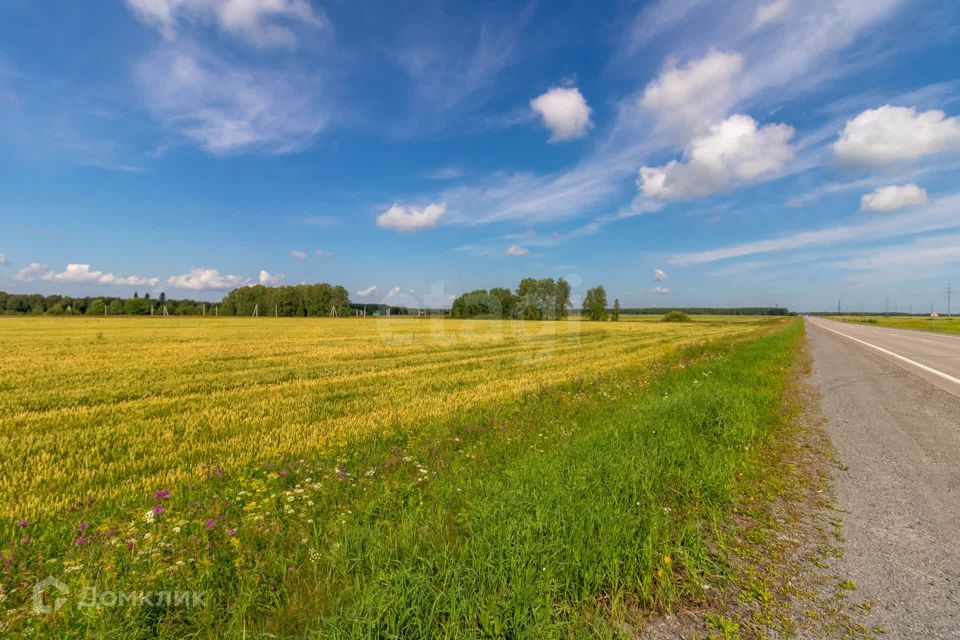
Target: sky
x,y
679,152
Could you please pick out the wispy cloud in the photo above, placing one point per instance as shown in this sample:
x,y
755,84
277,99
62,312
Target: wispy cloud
x,y
226,107
937,216
262,23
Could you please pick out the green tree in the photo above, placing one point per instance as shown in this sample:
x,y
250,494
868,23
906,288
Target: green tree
x,y
562,302
616,310
116,307
595,304
136,306
96,307
527,299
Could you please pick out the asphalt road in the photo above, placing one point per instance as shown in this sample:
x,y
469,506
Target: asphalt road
x,y
893,411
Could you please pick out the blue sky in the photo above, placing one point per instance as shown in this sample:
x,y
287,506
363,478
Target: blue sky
x,y
680,152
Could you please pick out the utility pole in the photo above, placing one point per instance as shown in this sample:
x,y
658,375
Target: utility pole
x,y
838,306
886,306
949,293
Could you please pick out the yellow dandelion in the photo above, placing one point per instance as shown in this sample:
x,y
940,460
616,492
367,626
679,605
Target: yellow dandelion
x,y
667,560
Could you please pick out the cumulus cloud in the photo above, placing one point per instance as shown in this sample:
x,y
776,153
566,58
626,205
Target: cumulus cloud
x,y
393,293
270,279
895,134
31,272
770,12
686,100
228,108
80,274
199,279
406,219
735,150
660,290
659,275
299,255
565,113
254,21
516,251
893,198
369,291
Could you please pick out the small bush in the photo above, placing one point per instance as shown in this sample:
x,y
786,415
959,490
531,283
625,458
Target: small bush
x,y
676,316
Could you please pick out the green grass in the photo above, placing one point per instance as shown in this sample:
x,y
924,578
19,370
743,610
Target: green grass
x,y
940,325
564,513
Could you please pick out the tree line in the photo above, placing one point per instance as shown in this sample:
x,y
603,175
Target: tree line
x,y
544,299
299,300
712,311
533,299
38,304
289,301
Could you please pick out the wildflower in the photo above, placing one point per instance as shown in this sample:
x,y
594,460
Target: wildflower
x,y
231,532
83,526
25,541
176,529
130,544
148,516
283,473
211,524
659,573
158,509
162,494
23,523
667,560
81,540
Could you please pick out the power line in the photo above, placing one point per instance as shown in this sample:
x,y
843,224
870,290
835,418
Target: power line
x,y
949,293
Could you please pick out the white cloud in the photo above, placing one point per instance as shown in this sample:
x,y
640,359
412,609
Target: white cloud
x,y
199,279
393,293
659,275
404,218
299,255
322,253
254,21
735,150
369,291
895,134
227,108
660,290
516,251
893,198
770,12
82,274
270,279
565,113
686,100
109,278
3,260
31,272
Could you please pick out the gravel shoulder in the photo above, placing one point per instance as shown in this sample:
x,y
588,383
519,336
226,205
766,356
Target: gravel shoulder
x,y
897,438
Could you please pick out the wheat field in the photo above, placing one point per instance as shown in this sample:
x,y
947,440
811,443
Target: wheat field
x,y
111,407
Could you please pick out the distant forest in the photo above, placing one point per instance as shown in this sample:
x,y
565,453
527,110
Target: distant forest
x,y
288,301
712,311
37,304
544,299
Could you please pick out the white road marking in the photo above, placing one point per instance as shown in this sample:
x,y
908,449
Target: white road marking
x,y
943,375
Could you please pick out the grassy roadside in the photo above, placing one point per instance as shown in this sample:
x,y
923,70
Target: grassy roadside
x,y
566,513
937,325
